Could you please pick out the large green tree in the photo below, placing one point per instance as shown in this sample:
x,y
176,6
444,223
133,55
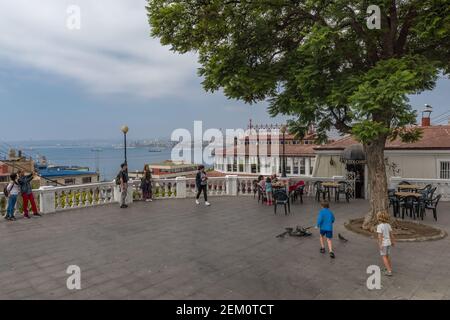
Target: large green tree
x,y
318,62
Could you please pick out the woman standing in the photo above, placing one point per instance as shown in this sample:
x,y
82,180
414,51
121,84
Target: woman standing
x,y
13,189
146,184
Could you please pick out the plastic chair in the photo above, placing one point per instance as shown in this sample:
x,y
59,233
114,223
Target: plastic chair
x,y
282,198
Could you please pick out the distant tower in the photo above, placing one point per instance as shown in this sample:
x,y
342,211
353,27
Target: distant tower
x,y
12,154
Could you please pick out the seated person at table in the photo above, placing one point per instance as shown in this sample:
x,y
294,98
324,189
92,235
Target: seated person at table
x,y
269,191
262,183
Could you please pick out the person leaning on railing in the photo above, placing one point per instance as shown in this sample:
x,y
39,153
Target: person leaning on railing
x,y
27,193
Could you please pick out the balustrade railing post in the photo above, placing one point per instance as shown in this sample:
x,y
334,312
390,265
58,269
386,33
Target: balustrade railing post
x,y
181,187
232,185
47,199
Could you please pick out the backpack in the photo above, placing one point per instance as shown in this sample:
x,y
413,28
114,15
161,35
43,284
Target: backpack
x,y
6,191
118,178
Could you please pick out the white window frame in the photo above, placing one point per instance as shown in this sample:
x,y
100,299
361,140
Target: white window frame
x,y
438,166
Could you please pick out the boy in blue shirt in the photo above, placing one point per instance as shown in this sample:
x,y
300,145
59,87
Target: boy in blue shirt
x,y
325,224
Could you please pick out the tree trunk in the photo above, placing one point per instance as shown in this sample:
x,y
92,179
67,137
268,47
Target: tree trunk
x,y
378,185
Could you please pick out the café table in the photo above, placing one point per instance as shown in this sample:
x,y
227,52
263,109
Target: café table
x,y
408,187
330,185
404,194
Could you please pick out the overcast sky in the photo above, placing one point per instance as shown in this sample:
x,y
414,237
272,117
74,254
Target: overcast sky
x,y
57,83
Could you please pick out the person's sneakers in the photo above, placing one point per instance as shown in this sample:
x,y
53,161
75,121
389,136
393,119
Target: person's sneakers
x,y
7,218
123,206
322,250
37,215
13,219
332,256
197,202
148,200
207,203
26,216
388,273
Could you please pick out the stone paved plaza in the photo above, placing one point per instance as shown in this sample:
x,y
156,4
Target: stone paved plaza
x,y
173,249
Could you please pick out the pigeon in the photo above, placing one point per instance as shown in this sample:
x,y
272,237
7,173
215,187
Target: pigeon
x,y
342,238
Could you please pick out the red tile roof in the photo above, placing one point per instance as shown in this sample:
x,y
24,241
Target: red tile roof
x,y
433,138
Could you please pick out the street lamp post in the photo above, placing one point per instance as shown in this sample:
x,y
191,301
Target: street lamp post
x,y
283,168
125,131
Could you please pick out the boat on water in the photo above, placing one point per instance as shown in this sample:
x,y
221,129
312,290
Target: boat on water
x,y
154,150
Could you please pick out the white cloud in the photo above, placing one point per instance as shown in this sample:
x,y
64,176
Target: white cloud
x,y
111,53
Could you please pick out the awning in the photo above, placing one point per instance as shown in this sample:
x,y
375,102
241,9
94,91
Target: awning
x,y
354,154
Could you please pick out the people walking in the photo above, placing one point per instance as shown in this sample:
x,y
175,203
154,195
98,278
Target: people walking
x,y
386,240
27,193
146,184
201,181
123,182
325,222
13,190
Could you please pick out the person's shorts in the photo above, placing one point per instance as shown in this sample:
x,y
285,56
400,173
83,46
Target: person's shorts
x,y
385,251
326,234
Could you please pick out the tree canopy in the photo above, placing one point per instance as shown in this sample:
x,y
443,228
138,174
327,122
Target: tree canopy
x,y
315,60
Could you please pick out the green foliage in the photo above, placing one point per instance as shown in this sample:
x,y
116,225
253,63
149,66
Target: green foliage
x,y
315,61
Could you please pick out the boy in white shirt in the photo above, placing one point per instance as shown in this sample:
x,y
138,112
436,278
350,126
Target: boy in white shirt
x,y
385,240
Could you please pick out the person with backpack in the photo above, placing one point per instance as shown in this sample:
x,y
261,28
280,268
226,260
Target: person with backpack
x,y
146,184
122,181
27,193
201,181
12,191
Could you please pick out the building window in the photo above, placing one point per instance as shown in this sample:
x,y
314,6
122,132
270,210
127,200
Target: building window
x,y
69,181
444,169
4,178
295,166
311,165
87,180
302,166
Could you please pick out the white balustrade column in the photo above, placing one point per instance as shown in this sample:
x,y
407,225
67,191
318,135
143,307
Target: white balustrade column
x,y
231,183
47,199
181,187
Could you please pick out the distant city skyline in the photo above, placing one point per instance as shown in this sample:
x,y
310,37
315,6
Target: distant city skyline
x,y
84,84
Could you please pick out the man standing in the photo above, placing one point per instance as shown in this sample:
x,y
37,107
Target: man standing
x,y
27,193
123,176
201,181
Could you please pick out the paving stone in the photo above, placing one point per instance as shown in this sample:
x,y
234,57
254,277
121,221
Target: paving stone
x,y
177,250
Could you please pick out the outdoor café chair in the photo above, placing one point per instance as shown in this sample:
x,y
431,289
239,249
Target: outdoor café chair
x,y
393,201
319,190
408,204
344,189
261,195
281,197
433,205
298,193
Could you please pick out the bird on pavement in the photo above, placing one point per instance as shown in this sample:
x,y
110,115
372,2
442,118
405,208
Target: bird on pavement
x,y
342,238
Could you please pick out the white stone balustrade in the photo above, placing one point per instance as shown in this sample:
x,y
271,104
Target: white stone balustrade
x,y
53,199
